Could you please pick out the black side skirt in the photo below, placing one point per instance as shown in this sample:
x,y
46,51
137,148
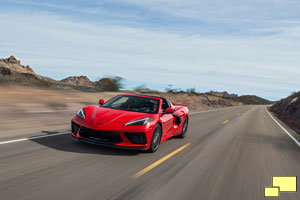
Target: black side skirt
x,y
177,119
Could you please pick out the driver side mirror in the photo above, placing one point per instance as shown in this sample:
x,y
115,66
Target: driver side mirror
x,y
169,111
101,102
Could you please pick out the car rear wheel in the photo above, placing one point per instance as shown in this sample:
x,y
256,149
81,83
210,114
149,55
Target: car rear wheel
x,y
156,138
184,128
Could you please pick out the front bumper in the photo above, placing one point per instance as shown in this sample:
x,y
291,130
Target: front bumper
x,y
119,139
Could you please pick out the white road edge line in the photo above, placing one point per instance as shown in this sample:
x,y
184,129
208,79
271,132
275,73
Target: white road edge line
x,y
295,140
55,134
33,138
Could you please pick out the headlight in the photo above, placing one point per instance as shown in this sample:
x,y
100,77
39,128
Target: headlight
x,y
139,122
81,113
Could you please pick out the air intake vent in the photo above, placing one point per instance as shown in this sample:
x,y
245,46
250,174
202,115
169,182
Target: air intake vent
x,y
75,127
101,136
136,138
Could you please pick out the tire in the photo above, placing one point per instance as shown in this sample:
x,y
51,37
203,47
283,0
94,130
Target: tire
x,y
184,128
156,138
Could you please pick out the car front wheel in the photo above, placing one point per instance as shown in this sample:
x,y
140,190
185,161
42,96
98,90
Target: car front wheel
x,y
156,138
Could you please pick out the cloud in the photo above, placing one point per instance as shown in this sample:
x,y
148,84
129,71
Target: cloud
x,y
230,10
59,46
218,7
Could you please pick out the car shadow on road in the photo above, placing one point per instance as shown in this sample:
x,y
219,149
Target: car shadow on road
x,y
67,143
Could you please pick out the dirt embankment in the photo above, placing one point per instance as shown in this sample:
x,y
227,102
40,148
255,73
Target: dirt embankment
x,y
27,111
288,110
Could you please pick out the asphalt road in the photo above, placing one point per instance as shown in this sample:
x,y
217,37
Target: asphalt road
x,y
228,154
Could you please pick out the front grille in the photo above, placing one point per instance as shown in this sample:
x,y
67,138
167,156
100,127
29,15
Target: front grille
x,y
101,136
136,138
75,127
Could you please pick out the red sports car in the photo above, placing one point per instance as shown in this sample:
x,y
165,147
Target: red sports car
x,y
131,121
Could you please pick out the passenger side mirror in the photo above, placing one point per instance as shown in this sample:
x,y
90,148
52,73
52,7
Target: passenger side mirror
x,y
169,111
101,102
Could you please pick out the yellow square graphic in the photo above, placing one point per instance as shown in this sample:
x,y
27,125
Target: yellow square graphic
x,y
271,192
285,184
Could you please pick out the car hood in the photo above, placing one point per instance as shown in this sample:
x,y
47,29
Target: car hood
x,y
96,115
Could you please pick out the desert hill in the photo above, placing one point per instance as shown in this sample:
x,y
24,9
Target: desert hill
x,y
12,72
77,80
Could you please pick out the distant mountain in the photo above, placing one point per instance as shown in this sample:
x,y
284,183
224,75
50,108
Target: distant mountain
x,y
252,100
245,99
13,72
288,110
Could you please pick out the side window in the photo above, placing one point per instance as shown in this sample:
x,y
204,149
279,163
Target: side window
x,y
165,104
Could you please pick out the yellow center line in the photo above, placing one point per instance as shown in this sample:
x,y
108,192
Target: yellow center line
x,y
226,121
142,172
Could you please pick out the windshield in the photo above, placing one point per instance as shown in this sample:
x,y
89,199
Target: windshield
x,y
133,103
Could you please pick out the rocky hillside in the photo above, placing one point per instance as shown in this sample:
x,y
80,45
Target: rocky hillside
x,y
222,94
12,64
288,110
77,80
13,72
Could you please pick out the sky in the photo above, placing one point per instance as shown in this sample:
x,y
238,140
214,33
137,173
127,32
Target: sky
x,y
243,47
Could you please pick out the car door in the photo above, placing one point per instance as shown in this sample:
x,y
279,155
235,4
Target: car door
x,y
166,119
